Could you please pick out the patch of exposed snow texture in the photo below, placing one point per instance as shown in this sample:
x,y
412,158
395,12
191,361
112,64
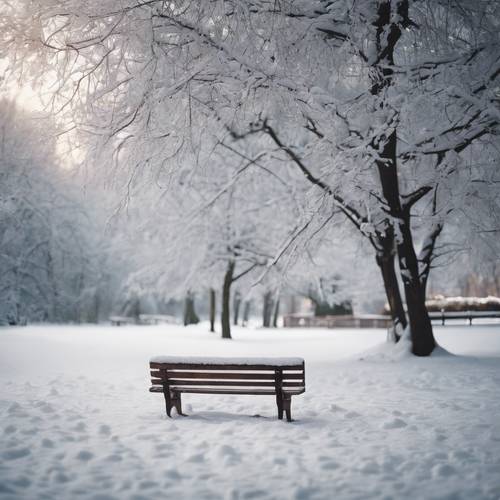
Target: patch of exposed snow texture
x,y
77,420
206,360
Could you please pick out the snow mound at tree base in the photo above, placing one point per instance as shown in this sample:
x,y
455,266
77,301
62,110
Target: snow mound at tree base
x,y
395,352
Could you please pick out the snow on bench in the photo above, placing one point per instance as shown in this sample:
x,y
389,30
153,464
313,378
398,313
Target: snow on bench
x,y
206,360
279,377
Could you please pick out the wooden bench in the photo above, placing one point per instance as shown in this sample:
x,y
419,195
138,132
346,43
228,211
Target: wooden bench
x,y
122,320
280,377
157,319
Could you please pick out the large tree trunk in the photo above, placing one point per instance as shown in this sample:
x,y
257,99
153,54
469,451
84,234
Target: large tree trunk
x,y
390,19
422,337
212,309
226,296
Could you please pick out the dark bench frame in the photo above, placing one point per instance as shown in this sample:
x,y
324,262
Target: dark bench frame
x,y
174,378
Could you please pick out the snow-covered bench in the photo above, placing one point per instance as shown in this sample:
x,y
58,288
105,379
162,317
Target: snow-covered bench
x,y
122,320
157,319
280,377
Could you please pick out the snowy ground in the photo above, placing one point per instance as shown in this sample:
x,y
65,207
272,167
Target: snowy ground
x,y
77,421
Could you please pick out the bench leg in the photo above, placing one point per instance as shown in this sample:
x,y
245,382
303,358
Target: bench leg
x,y
279,404
168,402
287,401
177,403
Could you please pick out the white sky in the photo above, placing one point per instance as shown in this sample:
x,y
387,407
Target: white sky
x,y
29,100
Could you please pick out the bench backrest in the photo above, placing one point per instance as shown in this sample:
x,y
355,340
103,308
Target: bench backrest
x,y
224,375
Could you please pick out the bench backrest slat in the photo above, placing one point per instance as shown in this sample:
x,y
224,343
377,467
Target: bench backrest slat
x,y
167,373
221,367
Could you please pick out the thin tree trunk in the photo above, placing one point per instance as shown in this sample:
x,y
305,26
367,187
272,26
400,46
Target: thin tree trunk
x,y
267,310
246,313
422,337
276,313
97,303
386,263
236,305
226,295
212,309
190,316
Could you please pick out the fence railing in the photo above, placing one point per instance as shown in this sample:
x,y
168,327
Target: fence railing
x,y
341,321
377,321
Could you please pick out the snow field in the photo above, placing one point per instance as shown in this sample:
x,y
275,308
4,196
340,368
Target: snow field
x,y
77,420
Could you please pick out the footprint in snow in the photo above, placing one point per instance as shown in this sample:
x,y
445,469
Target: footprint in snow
x,y
14,408
254,494
196,458
15,453
226,450
54,392
162,446
80,426
172,474
351,414
330,465
147,484
104,430
443,470
145,437
460,455
229,455
47,443
84,456
395,423
21,482
45,407
336,408
370,467
4,488
60,477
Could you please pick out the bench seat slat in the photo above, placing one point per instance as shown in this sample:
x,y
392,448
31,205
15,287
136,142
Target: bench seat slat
x,y
236,383
229,383
255,392
221,367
